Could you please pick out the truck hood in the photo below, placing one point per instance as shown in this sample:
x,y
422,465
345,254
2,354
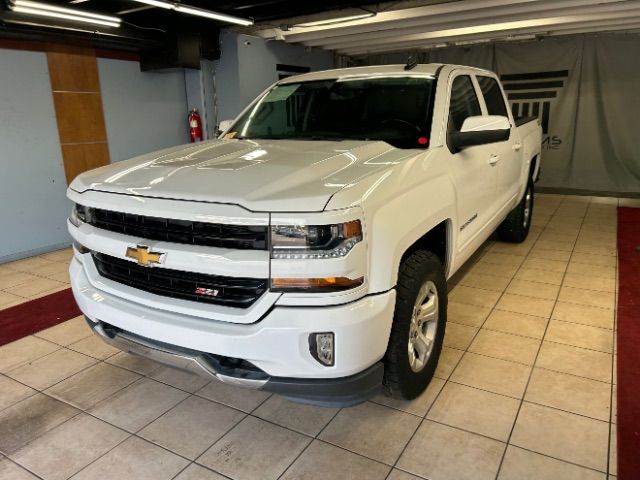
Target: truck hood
x,y
260,175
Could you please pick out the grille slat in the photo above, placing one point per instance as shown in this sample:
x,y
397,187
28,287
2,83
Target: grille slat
x,y
244,237
233,291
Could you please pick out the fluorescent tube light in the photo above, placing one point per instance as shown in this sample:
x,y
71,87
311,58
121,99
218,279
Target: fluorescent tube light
x,y
200,12
67,11
52,11
331,21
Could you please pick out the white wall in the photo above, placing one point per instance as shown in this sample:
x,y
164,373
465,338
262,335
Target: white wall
x,y
143,111
33,206
248,65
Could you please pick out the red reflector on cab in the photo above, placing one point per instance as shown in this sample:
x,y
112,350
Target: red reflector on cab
x,y
423,140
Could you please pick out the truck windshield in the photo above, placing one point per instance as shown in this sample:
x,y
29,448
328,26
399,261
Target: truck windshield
x,y
394,109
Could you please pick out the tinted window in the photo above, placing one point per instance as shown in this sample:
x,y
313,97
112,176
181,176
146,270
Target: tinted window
x,y
393,109
464,103
492,96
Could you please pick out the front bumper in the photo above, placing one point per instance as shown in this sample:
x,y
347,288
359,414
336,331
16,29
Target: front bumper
x,y
278,344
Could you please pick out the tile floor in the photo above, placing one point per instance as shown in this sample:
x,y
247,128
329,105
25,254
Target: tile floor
x,y
525,387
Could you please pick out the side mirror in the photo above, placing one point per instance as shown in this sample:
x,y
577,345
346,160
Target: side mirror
x,y
480,130
224,126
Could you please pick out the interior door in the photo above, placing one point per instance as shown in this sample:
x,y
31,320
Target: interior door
x,y
509,153
476,177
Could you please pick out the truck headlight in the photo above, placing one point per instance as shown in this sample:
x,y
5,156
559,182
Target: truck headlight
x,y
314,241
78,215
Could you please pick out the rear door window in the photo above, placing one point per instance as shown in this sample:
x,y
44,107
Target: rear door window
x,y
492,96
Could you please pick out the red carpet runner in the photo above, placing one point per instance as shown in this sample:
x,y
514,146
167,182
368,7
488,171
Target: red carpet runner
x,y
35,315
629,343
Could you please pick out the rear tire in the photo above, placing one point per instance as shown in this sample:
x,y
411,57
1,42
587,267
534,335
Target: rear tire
x,y
515,228
418,326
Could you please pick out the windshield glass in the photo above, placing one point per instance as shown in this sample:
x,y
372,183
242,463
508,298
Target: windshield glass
x,y
393,109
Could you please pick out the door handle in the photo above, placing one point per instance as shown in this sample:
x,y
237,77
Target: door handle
x,y
517,146
493,159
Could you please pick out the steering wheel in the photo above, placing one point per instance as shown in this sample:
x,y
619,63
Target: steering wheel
x,y
403,122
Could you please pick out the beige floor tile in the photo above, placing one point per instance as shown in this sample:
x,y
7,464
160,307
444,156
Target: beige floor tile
x,y
62,277
568,392
558,255
307,419
67,332
562,435
8,300
503,259
576,269
64,255
93,347
516,323
614,403
584,315
35,287
322,461
236,397
467,314
475,410
474,296
12,278
49,292
587,297
449,358
400,475
28,264
485,268
590,283
604,261
87,388
29,419
134,363
505,346
543,264
192,426
254,449
417,406
595,249
439,452
196,472
492,374
189,382
527,305
11,471
548,244
541,276
459,336
583,336
513,248
533,289
575,361
52,269
134,459
521,464
613,451
485,282
629,202
605,201
66,449
12,392
48,370
138,404
372,430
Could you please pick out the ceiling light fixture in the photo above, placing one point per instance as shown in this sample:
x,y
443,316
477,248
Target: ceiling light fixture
x,y
332,21
200,12
53,11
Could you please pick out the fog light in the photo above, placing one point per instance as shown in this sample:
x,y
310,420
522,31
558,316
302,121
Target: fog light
x,y
81,249
322,347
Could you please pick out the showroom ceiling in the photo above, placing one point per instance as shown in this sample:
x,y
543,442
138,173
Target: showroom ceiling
x,y
457,23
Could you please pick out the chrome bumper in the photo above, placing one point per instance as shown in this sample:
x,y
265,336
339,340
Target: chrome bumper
x,y
182,359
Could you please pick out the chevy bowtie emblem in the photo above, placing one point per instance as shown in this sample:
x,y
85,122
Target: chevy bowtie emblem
x,y
144,255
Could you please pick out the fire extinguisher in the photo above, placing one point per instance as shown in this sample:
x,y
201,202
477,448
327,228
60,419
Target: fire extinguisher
x,y
195,125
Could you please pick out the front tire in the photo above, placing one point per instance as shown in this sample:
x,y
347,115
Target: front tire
x,y
515,228
418,326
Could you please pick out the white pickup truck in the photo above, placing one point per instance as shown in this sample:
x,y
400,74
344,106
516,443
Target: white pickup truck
x,y
306,251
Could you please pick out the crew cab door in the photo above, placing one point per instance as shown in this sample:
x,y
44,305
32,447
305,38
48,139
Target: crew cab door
x,y
508,153
475,174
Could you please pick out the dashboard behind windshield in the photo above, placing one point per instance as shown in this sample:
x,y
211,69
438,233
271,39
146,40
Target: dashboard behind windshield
x,y
394,109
